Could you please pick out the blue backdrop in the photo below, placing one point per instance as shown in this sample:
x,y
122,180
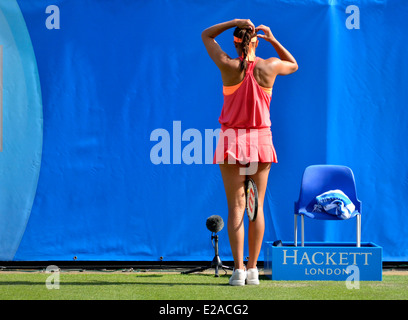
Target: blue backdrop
x,y
108,123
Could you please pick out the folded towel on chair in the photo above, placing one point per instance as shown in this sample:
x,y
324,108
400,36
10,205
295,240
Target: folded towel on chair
x,y
335,202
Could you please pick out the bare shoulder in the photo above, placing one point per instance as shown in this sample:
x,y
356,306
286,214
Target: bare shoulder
x,y
265,71
276,66
230,64
268,65
231,71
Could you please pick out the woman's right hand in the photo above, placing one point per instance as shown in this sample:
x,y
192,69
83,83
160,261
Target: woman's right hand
x,y
287,63
268,33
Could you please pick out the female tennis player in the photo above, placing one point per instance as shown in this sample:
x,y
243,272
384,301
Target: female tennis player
x,y
247,87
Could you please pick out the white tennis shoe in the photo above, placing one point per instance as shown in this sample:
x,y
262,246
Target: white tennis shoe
x,y
252,276
238,277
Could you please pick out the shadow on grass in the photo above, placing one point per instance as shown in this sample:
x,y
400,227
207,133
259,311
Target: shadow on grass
x,y
182,282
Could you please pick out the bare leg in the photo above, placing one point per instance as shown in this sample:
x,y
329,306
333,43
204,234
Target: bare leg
x,y
234,185
256,228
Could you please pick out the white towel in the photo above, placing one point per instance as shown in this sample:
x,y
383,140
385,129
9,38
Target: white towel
x,y
335,202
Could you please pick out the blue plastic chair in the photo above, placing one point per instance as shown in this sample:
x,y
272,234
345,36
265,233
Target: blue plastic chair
x,y
318,179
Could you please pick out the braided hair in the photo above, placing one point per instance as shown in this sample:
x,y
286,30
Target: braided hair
x,y
245,35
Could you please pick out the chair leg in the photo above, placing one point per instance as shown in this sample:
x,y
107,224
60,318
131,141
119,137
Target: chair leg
x,y
358,231
295,231
303,230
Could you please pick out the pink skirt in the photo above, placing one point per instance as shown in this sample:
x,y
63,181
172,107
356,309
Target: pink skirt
x,y
244,146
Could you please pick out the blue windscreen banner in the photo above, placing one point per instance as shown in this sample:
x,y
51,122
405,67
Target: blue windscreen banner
x,y
109,120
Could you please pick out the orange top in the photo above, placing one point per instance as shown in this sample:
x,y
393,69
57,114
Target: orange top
x,y
238,40
246,105
227,90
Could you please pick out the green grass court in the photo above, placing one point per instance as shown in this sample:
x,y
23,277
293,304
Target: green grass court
x,y
161,285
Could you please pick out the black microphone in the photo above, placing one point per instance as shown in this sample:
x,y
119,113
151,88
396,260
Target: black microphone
x,y
215,223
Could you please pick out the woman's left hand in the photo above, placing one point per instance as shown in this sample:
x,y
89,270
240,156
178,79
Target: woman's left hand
x,y
245,24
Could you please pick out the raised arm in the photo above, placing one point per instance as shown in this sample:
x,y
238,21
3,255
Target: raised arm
x,y
287,63
214,50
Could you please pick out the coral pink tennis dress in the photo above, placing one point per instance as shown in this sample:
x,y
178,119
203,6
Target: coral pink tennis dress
x,y
245,123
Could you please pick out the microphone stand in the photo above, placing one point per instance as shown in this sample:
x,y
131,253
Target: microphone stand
x,y
216,263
